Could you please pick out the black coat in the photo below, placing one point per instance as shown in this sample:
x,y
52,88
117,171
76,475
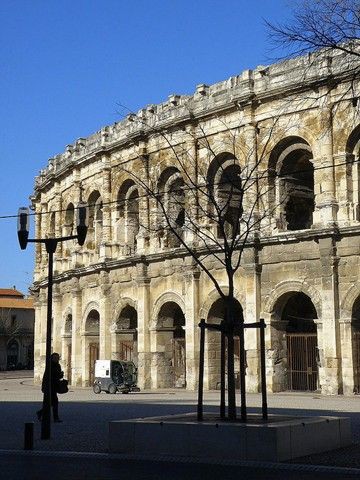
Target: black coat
x,y
56,376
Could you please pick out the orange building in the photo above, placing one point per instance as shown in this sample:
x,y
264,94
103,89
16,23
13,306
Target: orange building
x,y
17,318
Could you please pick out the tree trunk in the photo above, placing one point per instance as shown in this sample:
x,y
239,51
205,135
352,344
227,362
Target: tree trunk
x,y
229,321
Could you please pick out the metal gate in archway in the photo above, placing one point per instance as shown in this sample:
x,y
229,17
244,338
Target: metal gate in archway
x,y
302,361
356,357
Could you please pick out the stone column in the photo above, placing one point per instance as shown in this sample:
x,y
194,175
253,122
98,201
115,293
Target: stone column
x,y
192,193
326,206
252,279
76,353
331,370
344,175
249,180
143,315
192,321
105,317
347,346
143,237
57,323
105,248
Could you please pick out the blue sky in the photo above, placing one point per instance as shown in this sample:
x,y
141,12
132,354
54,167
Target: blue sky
x,y
67,65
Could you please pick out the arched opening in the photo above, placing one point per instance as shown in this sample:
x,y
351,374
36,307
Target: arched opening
x,y
352,172
68,228
225,195
213,345
92,331
291,182
128,223
12,353
126,335
94,233
51,232
355,324
66,347
171,208
294,343
171,345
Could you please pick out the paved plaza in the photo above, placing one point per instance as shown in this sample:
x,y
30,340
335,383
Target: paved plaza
x,y
86,417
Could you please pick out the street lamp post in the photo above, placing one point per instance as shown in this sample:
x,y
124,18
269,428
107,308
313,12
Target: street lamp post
x,y
50,245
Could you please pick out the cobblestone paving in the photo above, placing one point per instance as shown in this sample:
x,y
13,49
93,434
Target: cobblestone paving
x,y
86,415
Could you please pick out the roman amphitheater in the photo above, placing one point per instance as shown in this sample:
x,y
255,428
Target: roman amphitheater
x,y
133,291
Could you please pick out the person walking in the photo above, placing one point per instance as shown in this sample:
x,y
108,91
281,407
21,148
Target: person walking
x,y
56,375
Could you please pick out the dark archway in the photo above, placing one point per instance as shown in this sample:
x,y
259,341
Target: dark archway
x,y
294,340
126,335
170,333
291,181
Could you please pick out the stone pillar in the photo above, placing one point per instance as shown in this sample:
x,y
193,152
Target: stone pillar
x,y
105,317
192,193
276,355
76,353
344,174
105,248
347,346
192,321
143,237
324,177
331,370
252,279
143,315
249,180
76,260
57,323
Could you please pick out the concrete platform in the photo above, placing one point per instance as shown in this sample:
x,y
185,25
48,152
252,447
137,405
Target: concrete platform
x,y
280,438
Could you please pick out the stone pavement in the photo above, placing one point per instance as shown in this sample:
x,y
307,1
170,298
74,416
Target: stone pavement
x,y
86,416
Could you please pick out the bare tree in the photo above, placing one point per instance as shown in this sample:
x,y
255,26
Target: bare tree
x,y
213,209
319,25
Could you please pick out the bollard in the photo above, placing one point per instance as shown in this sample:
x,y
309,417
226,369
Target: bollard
x,y
29,436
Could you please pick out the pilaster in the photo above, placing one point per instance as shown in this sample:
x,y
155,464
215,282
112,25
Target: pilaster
x,y
76,353
192,321
143,313
331,382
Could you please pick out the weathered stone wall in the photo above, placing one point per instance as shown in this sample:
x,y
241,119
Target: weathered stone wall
x,y
287,112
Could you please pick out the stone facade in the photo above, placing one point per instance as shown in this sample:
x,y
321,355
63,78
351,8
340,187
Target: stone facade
x,y
130,292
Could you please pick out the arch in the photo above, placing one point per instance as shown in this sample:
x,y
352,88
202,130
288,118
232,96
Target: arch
x,y
67,324
293,339
352,140
90,306
122,303
291,183
167,297
290,286
127,319
225,194
348,300
69,219
213,296
172,200
128,221
92,323
95,219
165,176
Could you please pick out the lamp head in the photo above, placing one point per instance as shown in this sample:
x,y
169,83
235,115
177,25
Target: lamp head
x,y
23,227
82,222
